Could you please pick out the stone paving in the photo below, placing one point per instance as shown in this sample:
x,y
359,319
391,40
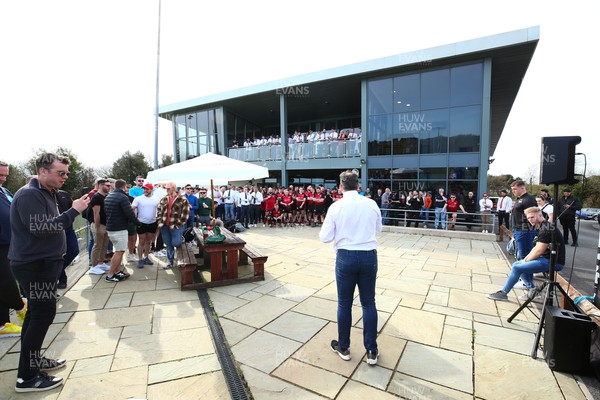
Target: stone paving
x,y
439,336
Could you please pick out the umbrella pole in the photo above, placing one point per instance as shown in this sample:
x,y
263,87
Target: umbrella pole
x,y
212,197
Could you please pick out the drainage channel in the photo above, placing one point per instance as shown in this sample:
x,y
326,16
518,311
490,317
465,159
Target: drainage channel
x,y
235,383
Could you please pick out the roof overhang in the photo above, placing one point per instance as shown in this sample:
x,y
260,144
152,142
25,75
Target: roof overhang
x,y
336,91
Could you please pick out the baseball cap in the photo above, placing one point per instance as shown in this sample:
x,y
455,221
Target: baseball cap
x,y
148,186
567,190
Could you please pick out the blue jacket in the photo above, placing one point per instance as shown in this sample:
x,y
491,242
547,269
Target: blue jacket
x,y
194,205
37,227
5,199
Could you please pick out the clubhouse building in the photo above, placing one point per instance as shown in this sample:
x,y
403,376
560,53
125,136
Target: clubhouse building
x,y
419,120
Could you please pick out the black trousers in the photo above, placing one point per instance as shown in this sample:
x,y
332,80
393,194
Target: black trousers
x,y
568,224
38,280
503,219
9,292
254,213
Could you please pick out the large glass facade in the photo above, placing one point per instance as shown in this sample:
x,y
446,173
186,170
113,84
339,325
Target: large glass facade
x,y
427,127
197,133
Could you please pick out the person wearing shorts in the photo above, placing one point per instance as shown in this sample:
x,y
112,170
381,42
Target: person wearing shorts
x,y
145,209
119,215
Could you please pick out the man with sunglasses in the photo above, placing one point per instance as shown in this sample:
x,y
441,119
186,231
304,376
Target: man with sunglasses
x,y
138,189
36,252
194,205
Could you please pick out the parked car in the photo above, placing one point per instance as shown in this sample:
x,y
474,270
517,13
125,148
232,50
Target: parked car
x,y
588,213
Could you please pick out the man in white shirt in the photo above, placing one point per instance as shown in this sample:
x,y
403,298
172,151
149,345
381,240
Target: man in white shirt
x,y
352,223
485,208
228,199
256,199
503,207
145,209
245,198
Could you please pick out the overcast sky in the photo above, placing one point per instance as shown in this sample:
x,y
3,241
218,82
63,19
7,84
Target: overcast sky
x,y
82,75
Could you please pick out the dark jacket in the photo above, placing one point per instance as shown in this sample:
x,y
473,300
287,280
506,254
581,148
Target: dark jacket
x,y
37,228
573,205
5,200
118,211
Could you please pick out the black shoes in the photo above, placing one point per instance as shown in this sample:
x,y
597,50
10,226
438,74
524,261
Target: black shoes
x,y
372,357
48,364
344,354
62,285
39,383
574,244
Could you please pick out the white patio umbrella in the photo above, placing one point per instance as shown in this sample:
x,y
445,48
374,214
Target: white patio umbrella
x,y
206,169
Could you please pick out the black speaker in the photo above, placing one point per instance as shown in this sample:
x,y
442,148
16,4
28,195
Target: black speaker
x,y
558,159
567,339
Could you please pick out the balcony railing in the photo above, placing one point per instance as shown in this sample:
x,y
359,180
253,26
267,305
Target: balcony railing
x,y
298,151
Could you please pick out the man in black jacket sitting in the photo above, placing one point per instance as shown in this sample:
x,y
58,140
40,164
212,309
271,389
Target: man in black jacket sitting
x,y
119,214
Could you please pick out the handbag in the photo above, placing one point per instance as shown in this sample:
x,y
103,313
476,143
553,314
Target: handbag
x,y
188,235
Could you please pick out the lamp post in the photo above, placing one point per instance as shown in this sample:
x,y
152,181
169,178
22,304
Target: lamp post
x,y
156,102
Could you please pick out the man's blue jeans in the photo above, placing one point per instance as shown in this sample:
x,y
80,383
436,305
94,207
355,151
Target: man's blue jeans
x,y
440,215
524,239
425,216
172,238
352,268
384,214
525,271
229,212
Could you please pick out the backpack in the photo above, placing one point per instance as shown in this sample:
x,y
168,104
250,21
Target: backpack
x,y
511,247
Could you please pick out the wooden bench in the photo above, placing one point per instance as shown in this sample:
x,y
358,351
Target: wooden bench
x,y
258,260
186,264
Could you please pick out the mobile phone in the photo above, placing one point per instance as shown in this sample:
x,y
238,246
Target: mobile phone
x,y
85,190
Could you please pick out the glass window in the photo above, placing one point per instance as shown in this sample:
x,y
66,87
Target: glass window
x,y
433,173
379,173
380,135
406,93
434,139
379,97
465,131
462,188
406,132
404,173
180,126
432,185
466,85
435,89
463,173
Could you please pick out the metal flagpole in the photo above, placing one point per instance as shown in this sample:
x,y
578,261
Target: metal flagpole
x,y
156,103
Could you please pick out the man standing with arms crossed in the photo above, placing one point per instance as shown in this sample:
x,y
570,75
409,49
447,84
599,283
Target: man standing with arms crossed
x,y
352,224
36,252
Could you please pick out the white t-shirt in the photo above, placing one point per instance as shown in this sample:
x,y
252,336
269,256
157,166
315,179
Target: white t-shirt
x,y
146,208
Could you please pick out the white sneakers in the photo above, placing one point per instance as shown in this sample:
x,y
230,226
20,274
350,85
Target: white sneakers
x,y
99,269
132,257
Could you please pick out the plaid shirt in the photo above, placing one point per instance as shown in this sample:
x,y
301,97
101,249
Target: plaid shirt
x,y
180,211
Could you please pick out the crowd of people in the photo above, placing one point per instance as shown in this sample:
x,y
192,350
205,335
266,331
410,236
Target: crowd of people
x,y
36,238
301,137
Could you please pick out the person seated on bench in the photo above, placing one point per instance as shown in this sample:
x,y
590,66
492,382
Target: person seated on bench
x,y
538,259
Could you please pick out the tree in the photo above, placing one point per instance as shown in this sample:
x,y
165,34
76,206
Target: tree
x,y
80,176
16,178
496,183
129,166
166,160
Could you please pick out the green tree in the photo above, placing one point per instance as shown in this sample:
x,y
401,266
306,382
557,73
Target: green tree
x,y
498,182
129,166
588,191
16,178
166,160
80,176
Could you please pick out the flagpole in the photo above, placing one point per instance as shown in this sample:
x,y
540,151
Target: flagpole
x,y
156,103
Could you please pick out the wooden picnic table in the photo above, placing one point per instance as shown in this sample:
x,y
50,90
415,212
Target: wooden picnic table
x,y
222,258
